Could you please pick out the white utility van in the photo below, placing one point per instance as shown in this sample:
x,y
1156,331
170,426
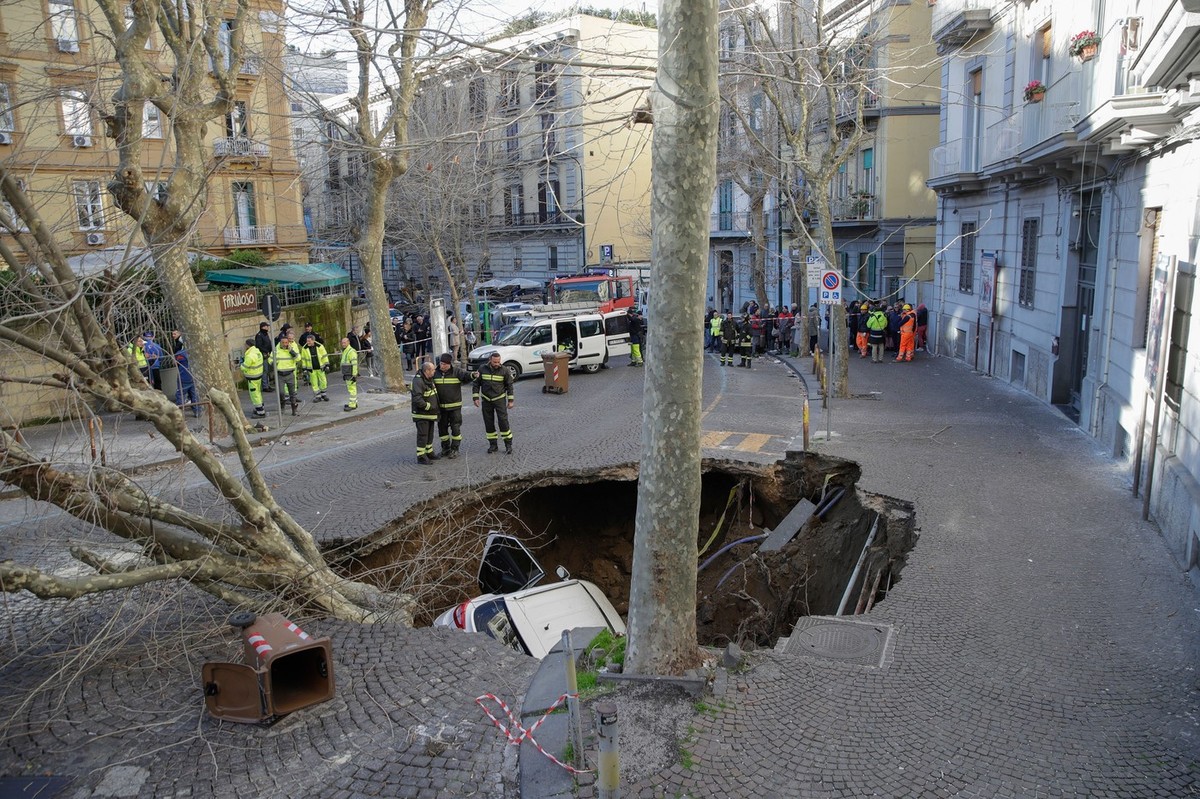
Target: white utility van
x,y
585,336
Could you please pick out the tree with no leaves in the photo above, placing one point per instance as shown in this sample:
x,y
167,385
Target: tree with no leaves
x,y
662,602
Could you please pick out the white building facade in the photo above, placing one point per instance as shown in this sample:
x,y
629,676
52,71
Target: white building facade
x,y
1068,181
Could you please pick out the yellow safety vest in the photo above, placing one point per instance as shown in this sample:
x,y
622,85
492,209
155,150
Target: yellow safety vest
x,y
285,357
138,354
252,363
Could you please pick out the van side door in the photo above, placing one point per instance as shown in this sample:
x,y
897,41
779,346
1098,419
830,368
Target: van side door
x,y
591,340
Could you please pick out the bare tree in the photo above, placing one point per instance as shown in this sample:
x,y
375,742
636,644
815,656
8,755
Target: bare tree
x,y
662,602
389,44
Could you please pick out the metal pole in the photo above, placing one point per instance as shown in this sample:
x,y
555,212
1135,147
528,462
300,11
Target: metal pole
x,y
806,438
829,381
608,769
573,718
858,567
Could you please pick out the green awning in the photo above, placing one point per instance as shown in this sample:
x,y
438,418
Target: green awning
x,y
288,276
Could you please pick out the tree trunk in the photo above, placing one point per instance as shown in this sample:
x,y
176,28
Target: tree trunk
x,y
662,602
370,254
758,237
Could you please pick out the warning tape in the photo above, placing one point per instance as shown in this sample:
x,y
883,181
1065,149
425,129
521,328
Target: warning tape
x,y
514,726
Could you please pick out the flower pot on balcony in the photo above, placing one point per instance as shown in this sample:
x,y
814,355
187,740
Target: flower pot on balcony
x,y
1087,52
1036,97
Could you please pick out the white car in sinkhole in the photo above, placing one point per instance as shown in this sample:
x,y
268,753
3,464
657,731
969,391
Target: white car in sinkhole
x,y
519,613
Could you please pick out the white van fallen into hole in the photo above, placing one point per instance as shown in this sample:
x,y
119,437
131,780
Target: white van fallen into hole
x,y
523,617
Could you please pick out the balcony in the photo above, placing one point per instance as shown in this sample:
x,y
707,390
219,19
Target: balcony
x,y
726,224
1002,141
240,147
537,220
249,234
1048,127
847,103
858,207
956,22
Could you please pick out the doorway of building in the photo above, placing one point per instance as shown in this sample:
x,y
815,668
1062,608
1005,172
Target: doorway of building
x,y
1088,244
725,281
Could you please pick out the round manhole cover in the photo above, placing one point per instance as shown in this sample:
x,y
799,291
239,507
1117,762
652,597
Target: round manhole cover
x,y
857,642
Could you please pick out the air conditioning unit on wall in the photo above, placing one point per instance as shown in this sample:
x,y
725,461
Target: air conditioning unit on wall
x,y
95,239
5,137
81,141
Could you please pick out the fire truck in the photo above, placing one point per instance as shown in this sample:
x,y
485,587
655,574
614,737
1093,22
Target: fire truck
x,y
603,293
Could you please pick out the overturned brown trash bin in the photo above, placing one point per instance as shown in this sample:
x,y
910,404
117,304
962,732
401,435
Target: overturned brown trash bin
x,y
557,365
285,670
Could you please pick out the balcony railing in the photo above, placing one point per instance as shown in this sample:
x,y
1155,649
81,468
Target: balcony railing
x,y
1002,141
240,146
729,223
249,234
847,103
1057,113
538,219
855,207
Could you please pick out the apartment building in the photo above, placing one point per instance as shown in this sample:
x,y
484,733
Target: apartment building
x,y
311,79
56,80
1067,242
544,136
882,213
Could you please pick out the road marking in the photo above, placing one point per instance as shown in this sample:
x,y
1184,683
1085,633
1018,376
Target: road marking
x,y
713,438
753,442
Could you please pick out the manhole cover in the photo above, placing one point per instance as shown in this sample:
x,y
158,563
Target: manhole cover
x,y
839,639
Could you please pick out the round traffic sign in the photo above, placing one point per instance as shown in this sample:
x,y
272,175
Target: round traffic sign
x,y
831,280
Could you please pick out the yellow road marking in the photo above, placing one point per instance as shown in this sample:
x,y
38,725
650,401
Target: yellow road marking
x,y
713,438
753,442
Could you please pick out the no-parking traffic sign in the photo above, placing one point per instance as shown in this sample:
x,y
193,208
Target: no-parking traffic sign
x,y
831,287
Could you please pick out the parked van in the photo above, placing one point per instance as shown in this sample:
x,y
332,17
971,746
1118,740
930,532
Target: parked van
x,y
522,343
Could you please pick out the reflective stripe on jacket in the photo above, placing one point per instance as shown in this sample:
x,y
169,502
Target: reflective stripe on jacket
x,y
285,357
349,362
494,385
424,399
449,387
252,363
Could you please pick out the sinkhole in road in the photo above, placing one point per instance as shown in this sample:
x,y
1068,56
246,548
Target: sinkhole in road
x,y
585,522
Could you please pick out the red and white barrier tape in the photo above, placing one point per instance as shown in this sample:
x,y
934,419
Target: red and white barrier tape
x,y
514,726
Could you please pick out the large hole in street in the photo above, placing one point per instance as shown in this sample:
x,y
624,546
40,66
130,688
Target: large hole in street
x,y
585,522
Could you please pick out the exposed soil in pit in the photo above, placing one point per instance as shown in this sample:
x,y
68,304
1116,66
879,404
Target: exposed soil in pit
x,y
585,522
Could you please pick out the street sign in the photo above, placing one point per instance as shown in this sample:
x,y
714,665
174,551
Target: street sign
x,y
831,287
606,253
815,266
270,306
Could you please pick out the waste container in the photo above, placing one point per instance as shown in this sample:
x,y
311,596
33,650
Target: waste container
x,y
168,375
285,669
556,365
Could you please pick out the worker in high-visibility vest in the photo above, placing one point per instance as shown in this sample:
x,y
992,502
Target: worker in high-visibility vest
x,y
314,360
136,350
349,365
908,334
253,363
285,358
714,331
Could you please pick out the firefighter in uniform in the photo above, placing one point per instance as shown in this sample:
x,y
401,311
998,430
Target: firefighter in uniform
x,y
449,381
746,342
285,358
425,412
349,365
908,334
315,362
494,386
728,340
252,370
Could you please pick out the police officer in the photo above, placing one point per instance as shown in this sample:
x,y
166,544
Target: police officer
x,y
286,358
449,381
424,412
349,365
494,386
252,369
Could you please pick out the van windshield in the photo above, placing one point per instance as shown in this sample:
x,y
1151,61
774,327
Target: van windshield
x,y
513,334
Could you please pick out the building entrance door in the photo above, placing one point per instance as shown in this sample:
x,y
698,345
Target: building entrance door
x,y
1085,293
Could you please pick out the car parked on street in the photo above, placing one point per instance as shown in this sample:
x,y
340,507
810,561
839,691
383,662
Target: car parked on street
x,y
522,615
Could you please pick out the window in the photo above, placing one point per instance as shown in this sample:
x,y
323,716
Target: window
x,y
1028,279
841,184
1043,55
225,42
7,122
512,141
64,25
476,99
510,90
728,36
552,259
868,171
1177,352
725,205
152,127
514,203
77,116
245,209
548,206
866,273
237,121
545,86
88,206
966,257
973,120
756,113
18,224
157,190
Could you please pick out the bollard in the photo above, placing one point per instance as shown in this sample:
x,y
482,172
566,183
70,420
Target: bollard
x,y
573,719
806,440
608,769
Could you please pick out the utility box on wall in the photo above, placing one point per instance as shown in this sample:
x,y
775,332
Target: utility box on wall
x,y
285,669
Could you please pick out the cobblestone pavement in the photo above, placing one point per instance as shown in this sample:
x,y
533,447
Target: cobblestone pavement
x,y
125,718
1045,643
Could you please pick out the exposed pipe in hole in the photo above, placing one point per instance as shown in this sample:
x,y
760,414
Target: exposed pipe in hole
x,y
728,547
858,567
